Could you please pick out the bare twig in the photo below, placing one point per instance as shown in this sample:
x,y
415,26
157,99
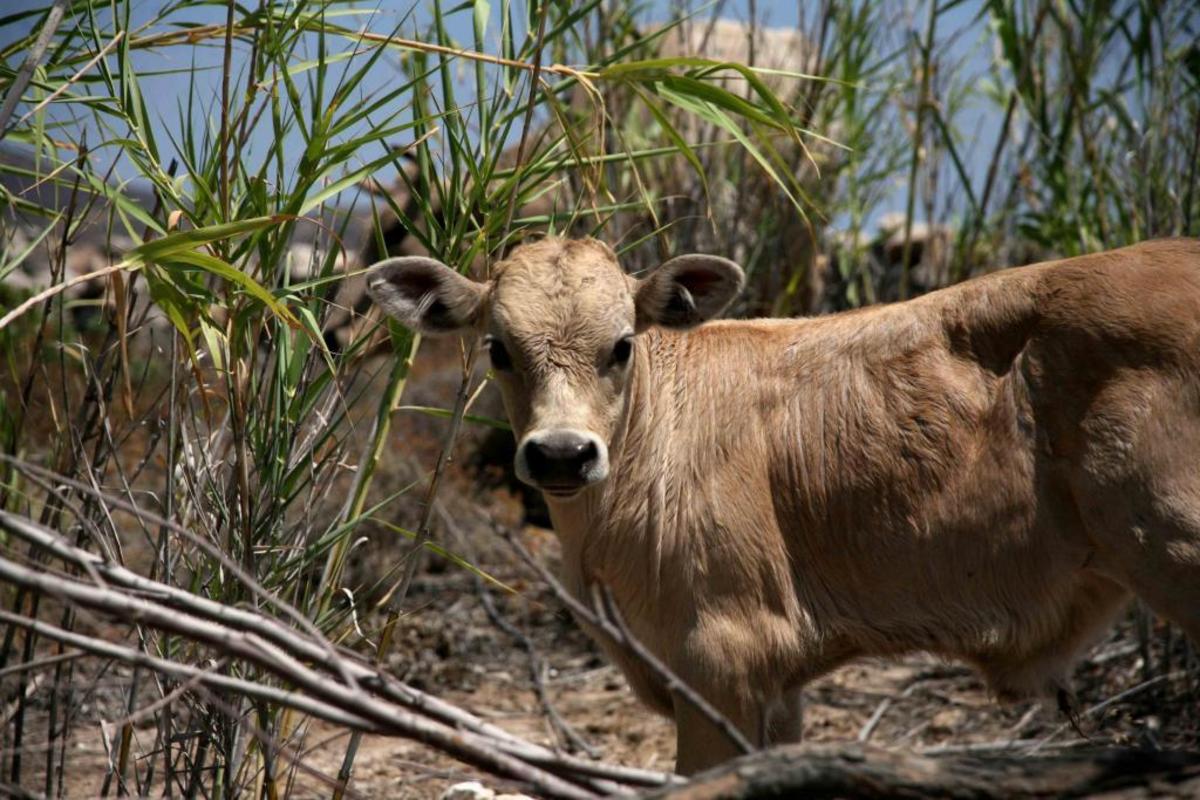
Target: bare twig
x,y
17,87
603,599
872,723
607,619
39,663
321,696
1026,718
50,98
28,691
1096,709
995,746
57,289
288,751
20,525
365,700
564,729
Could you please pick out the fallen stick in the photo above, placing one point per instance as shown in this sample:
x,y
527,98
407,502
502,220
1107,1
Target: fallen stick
x,y
870,773
332,685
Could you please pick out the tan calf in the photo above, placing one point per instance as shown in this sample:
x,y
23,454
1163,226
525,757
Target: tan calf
x,y
986,473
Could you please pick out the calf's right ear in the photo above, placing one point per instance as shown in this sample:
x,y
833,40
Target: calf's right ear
x,y
425,295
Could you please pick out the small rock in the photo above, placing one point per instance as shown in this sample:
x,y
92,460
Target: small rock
x,y
948,720
474,790
470,790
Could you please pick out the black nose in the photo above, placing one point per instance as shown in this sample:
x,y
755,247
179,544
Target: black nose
x,y
560,460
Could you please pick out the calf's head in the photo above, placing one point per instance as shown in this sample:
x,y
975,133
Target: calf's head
x,y
560,319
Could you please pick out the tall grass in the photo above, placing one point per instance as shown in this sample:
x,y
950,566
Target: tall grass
x,y
191,376
196,382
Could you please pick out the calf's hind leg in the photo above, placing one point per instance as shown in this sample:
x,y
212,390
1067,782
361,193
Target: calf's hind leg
x,y
1153,548
1041,669
1142,510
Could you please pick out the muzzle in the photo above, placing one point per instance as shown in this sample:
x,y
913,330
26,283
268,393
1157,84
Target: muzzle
x,y
561,462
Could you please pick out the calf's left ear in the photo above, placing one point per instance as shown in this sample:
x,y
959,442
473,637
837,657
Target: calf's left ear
x,y
686,291
425,294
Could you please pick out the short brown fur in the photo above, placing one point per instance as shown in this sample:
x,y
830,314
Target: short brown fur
x,y
986,473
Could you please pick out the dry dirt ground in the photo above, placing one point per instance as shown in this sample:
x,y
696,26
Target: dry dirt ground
x,y
1140,686
452,647
449,644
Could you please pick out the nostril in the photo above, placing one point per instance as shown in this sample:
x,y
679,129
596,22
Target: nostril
x,y
587,452
537,458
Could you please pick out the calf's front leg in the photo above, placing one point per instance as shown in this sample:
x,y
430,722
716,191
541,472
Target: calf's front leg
x,y
701,743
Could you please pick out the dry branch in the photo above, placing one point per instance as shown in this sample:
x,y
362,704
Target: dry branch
x,y
818,771
315,678
339,687
329,684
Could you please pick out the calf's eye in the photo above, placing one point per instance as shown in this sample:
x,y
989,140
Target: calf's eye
x,y
622,350
499,355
